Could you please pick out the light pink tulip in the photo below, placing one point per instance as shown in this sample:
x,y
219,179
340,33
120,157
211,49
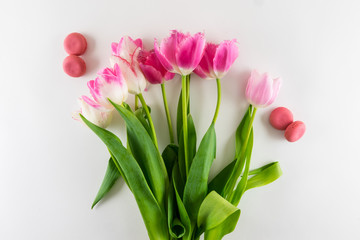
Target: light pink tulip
x,y
93,112
261,89
110,84
217,59
152,69
125,54
180,53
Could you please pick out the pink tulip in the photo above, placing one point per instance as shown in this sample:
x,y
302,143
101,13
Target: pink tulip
x,y
125,54
180,53
110,84
261,90
93,112
152,69
217,59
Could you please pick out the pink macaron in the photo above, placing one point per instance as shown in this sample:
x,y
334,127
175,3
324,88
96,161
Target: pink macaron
x,y
74,66
75,44
280,118
295,131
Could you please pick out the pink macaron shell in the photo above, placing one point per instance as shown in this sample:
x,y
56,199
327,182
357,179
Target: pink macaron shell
x,y
295,131
75,44
280,118
74,66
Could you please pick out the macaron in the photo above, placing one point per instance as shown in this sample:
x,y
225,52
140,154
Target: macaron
x,y
295,131
74,66
281,118
75,44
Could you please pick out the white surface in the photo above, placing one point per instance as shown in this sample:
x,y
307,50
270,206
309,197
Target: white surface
x,y
51,166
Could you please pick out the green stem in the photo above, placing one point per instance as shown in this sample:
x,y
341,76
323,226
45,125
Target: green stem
x,y
143,103
136,102
168,117
188,92
236,172
184,118
218,83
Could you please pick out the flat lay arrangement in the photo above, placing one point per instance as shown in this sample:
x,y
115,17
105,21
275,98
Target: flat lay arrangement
x,y
171,186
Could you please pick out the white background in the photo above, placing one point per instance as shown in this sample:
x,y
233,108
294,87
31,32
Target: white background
x,y
51,166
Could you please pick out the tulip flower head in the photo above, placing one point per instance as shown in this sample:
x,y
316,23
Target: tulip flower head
x,y
93,112
125,54
217,59
261,89
110,84
152,69
180,53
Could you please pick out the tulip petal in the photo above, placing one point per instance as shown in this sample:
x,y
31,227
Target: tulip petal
x,y
162,58
275,90
225,56
205,68
190,52
151,74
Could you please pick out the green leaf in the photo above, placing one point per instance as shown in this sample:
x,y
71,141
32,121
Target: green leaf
x,y
179,123
240,135
191,139
184,217
176,228
219,181
196,185
264,175
111,176
170,156
240,188
153,215
141,116
146,154
191,147
217,217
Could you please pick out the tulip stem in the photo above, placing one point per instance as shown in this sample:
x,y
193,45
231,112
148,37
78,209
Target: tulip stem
x,y
184,118
168,117
136,102
218,83
229,187
143,103
188,92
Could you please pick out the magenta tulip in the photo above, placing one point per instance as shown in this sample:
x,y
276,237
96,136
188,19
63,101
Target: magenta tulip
x,y
152,69
217,59
261,89
180,53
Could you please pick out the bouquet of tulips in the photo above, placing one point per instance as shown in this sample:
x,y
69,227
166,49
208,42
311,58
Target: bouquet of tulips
x,y
171,186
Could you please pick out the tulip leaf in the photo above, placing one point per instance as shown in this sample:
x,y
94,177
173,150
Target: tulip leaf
x,y
153,215
264,175
179,121
141,116
191,146
241,186
217,217
240,135
170,156
196,185
219,181
191,139
146,154
111,176
184,217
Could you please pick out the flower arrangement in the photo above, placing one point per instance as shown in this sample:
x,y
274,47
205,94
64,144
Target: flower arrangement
x,y
172,187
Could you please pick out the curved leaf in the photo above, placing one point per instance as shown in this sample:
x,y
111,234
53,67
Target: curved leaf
x,y
146,154
217,217
219,181
111,176
196,185
264,175
153,215
170,156
184,217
